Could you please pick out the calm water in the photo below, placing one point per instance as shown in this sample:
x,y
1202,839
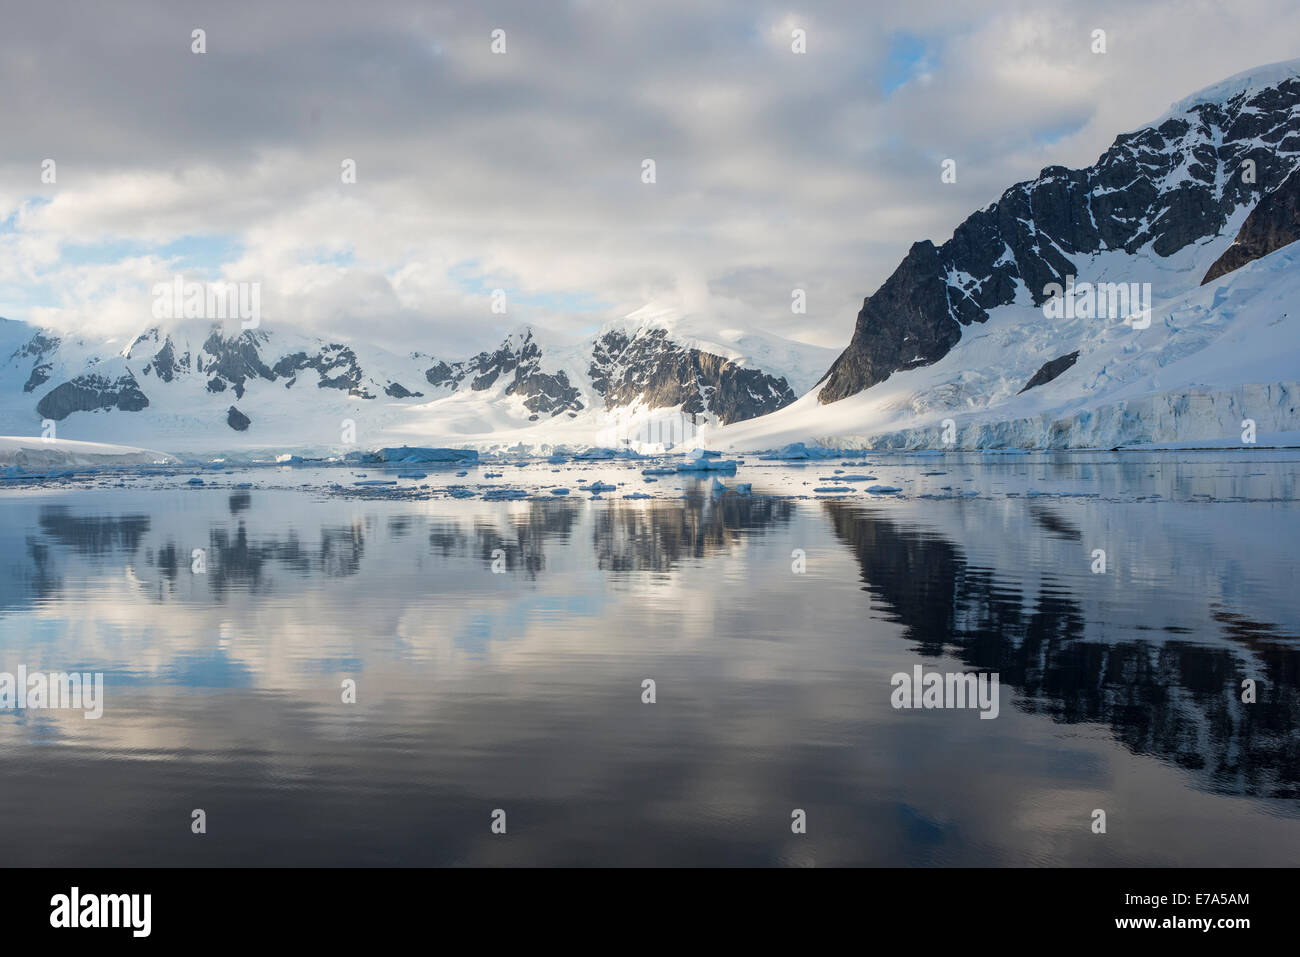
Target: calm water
x,y
521,688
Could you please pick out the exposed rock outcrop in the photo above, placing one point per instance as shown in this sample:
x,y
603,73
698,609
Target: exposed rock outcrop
x,y
92,393
237,420
1050,370
519,359
1272,224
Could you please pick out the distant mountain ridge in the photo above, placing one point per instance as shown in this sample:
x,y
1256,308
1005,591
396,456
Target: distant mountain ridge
x,y
187,380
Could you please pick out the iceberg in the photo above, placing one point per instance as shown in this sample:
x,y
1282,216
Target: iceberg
x,y
415,455
698,460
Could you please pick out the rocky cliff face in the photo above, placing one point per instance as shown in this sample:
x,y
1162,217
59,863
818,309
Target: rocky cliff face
x,y
1272,224
92,393
1160,188
37,350
652,369
518,361
230,361
645,366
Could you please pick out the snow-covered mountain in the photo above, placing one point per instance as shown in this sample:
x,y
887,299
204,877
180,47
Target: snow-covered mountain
x,y
195,385
1197,209
1144,299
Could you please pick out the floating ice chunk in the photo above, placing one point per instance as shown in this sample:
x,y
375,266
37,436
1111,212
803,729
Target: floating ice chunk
x,y
504,494
703,463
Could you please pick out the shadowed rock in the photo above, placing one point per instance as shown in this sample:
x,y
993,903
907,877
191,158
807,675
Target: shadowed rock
x,y
90,393
1272,224
398,391
1051,369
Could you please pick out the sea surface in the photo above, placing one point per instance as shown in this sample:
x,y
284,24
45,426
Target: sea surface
x,y
501,655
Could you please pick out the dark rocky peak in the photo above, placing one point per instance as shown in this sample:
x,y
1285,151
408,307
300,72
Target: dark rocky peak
x,y
649,367
235,359
145,343
518,363
335,364
165,360
39,346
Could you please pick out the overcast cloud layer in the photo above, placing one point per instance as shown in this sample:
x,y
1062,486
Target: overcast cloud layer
x,y
522,171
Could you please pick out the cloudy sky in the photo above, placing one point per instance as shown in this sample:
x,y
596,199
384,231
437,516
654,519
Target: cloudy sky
x,y
522,171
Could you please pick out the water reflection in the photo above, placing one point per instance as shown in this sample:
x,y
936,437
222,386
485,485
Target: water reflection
x,y
93,534
1169,698
499,649
629,538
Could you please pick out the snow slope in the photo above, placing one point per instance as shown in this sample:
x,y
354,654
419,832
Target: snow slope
x,y
1246,83
1213,356
195,387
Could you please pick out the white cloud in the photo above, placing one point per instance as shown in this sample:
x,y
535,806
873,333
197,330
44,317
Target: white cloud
x,y
523,171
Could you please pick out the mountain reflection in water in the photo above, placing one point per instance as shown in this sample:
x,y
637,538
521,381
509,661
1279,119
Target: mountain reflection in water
x,y
500,651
